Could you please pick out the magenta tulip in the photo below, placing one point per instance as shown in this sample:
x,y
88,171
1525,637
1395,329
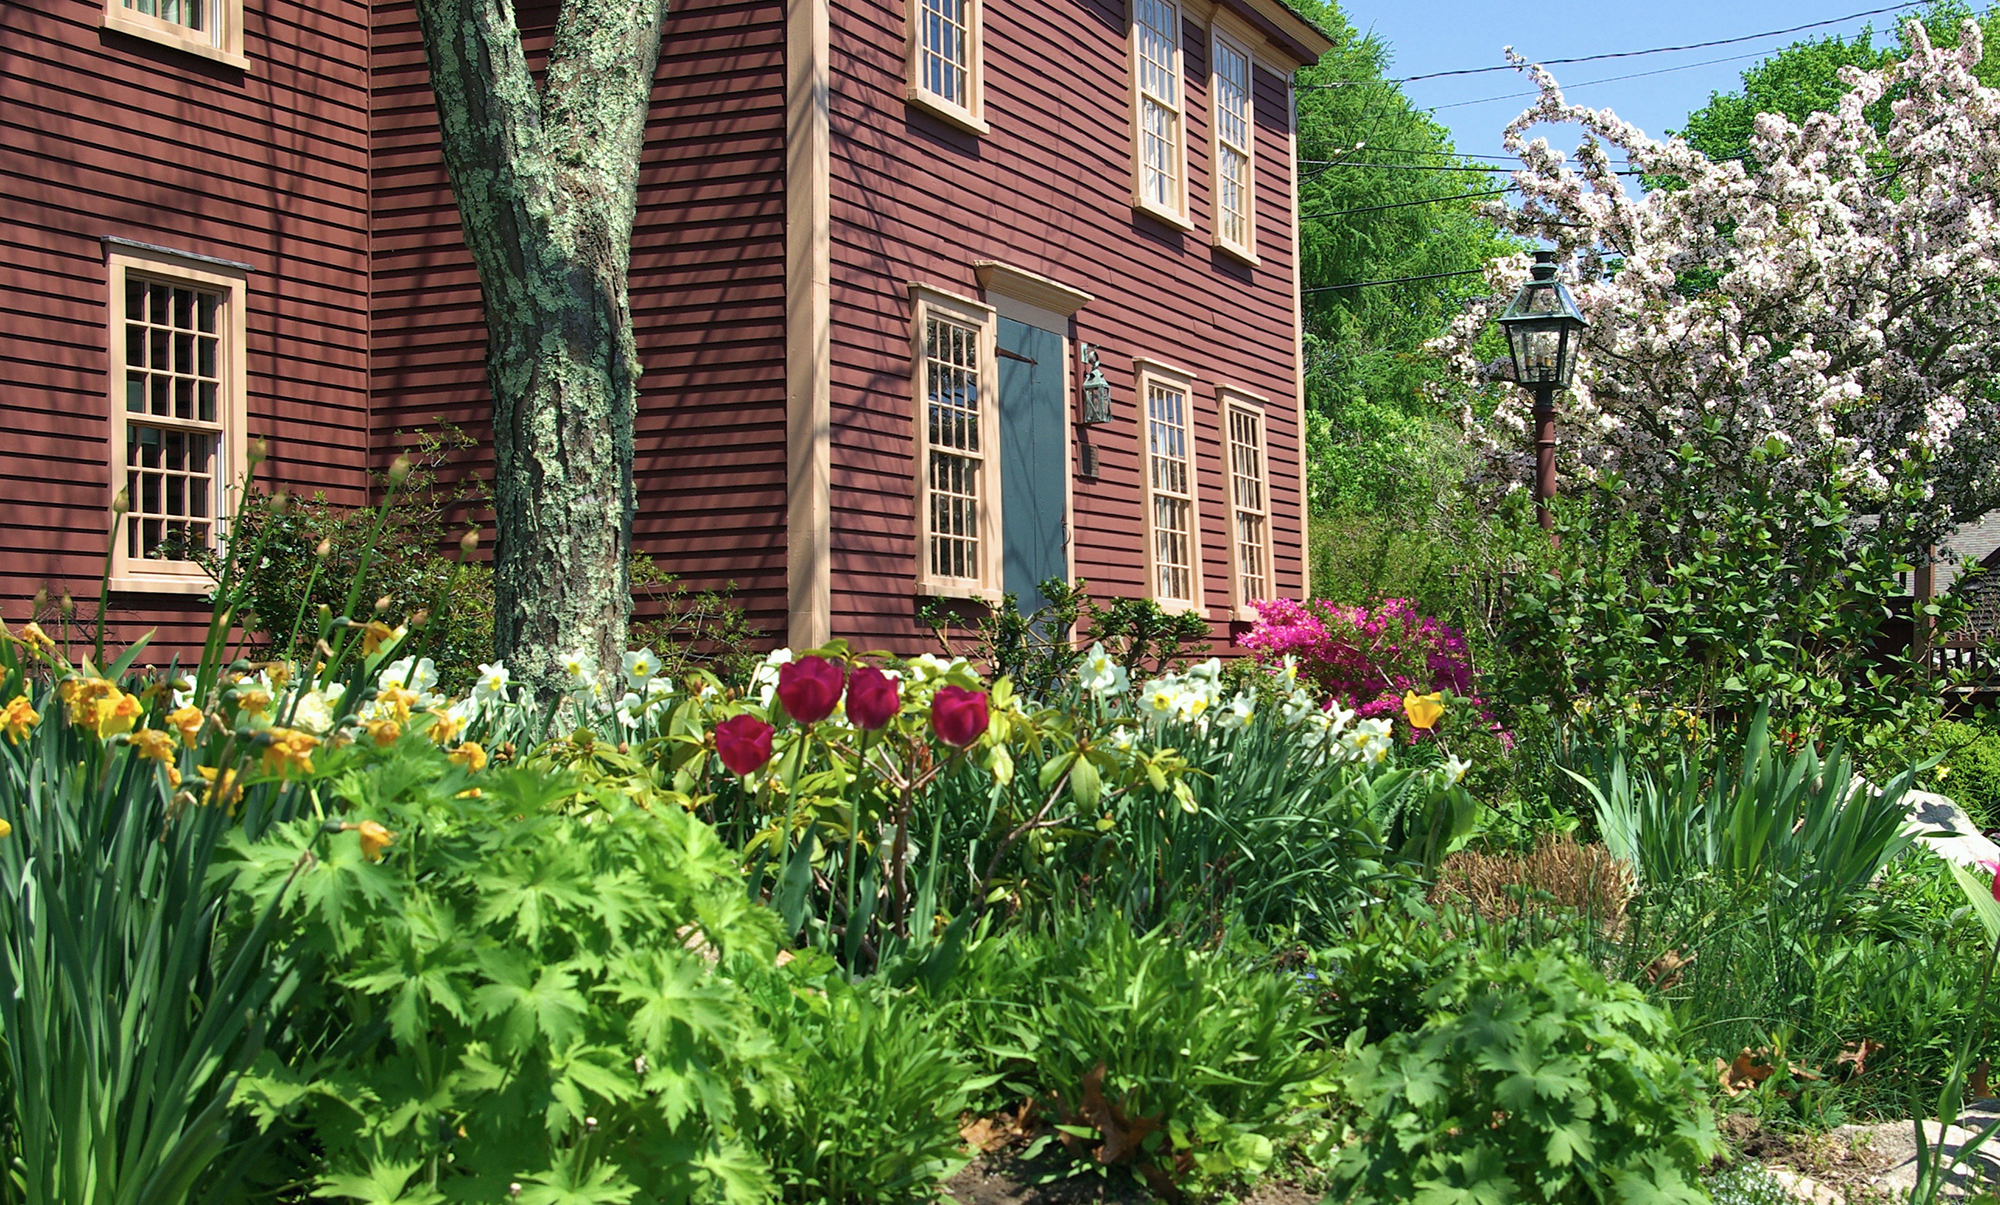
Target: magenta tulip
x,y
873,698
810,688
744,743
958,715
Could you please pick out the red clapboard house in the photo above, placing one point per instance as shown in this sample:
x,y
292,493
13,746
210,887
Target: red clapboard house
x,y
882,245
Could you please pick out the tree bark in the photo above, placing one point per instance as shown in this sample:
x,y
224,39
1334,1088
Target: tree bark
x,y
546,177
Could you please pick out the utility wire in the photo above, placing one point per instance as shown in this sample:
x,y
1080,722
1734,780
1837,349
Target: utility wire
x,y
1734,58
1464,196
1393,280
1626,54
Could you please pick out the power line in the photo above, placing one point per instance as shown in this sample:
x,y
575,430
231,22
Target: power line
x,y
1393,280
1626,54
1734,58
1397,205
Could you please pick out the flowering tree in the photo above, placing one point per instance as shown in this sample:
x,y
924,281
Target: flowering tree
x,y
1831,311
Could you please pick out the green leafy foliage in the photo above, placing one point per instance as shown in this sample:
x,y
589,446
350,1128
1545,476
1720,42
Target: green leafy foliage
x,y
1039,652
514,993
1968,765
878,1088
1187,1067
1535,1080
1373,980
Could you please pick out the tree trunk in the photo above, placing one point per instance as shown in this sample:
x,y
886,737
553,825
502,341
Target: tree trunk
x,y
546,178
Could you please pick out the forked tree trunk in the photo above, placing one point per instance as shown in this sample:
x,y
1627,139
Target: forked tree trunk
x,y
546,179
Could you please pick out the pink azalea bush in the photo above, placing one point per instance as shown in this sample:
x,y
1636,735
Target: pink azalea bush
x,y
1359,657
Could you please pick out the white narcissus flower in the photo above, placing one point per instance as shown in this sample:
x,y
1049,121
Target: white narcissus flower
x,y
1102,675
640,666
1454,769
491,684
1241,709
580,666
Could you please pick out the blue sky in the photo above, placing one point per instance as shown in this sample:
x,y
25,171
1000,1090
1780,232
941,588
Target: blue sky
x,y
1427,37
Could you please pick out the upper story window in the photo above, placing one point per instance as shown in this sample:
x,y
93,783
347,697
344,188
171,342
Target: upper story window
x,y
1173,528
210,28
947,61
957,437
1249,500
176,414
1159,128
1235,142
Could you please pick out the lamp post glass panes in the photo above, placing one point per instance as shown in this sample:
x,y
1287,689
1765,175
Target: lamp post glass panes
x,y
1543,328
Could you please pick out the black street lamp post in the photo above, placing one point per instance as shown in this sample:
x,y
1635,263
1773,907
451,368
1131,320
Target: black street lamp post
x,y
1543,327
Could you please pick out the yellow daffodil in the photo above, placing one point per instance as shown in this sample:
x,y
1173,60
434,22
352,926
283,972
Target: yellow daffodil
x,y
374,839
290,750
396,702
444,728
1424,710
186,721
470,755
152,743
17,717
375,635
384,732
36,639
6,829
280,674
117,712
81,695
223,789
253,701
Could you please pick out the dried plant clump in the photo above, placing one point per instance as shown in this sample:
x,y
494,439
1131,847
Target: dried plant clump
x,y
1559,873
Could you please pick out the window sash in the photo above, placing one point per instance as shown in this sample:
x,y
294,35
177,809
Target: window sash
x,y
1250,501
1171,475
1234,151
175,361
944,50
956,486
1156,29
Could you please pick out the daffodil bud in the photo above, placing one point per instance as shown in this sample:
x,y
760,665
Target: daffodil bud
x,y
66,604
259,450
280,500
399,470
422,617
324,548
382,604
40,601
468,544
121,502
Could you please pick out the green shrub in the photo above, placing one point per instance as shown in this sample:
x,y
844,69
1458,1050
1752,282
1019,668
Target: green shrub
x,y
1969,769
513,994
877,1084
1374,980
1536,1080
1180,1064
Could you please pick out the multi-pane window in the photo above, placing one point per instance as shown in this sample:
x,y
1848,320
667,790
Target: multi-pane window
x,y
957,465
945,67
1250,509
1170,481
176,412
1162,151
210,28
173,418
1234,131
957,436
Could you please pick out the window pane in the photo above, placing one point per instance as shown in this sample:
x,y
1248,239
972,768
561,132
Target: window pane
x,y
944,52
952,402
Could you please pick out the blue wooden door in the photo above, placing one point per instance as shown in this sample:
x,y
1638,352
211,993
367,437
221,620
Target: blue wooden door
x,y
1034,460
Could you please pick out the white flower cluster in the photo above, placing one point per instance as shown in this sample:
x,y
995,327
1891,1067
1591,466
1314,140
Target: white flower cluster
x,y
1850,318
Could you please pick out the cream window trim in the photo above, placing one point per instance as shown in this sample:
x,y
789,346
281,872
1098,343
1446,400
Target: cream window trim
x,y
221,42
1159,111
1232,144
957,456
1169,470
1247,469
945,53
187,351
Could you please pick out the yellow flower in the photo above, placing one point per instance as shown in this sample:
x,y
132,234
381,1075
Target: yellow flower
x,y
151,742
444,727
223,788
36,639
6,829
384,732
253,701
117,712
82,695
1424,710
470,755
375,635
280,674
374,839
397,702
18,716
186,721
289,750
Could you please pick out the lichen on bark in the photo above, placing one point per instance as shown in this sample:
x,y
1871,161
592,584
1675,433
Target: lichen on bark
x,y
546,176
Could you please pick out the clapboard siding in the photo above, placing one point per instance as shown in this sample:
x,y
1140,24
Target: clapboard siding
x,y
109,135
1049,190
707,289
